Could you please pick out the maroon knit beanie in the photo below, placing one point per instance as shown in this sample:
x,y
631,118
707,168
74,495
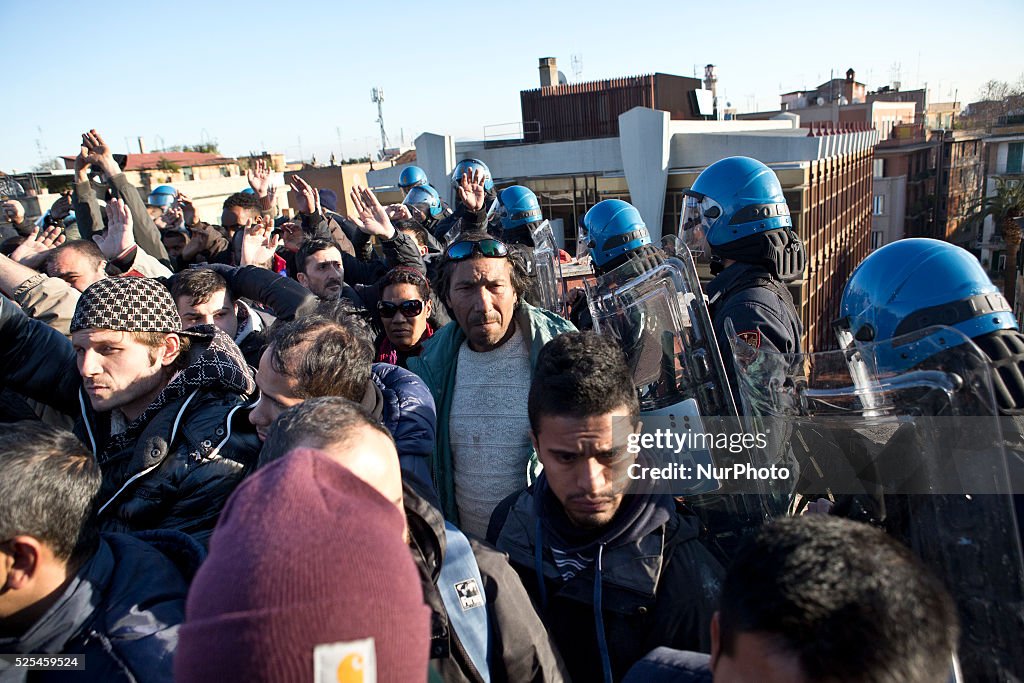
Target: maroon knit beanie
x,y
307,562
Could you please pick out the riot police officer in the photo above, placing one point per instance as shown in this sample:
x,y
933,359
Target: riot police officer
x,y
464,219
412,176
736,218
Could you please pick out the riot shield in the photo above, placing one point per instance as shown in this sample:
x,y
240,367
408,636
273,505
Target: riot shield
x,y
547,269
657,313
917,451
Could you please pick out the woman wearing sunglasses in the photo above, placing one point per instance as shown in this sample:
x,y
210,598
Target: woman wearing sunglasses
x,y
405,310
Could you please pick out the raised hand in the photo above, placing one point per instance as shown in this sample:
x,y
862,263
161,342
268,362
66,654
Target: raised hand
x,y
371,214
188,210
259,177
197,244
119,236
307,200
33,251
398,212
14,212
471,190
259,244
98,153
293,236
62,207
82,165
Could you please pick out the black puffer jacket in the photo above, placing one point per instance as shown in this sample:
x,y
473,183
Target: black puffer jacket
x,y
176,464
121,610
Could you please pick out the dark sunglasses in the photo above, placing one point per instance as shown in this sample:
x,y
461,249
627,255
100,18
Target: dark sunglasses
x,y
410,308
490,248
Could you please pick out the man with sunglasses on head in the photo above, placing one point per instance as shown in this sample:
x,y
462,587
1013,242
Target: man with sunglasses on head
x,y
478,370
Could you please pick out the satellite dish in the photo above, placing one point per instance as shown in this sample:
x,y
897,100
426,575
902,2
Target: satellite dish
x,y
561,79
821,101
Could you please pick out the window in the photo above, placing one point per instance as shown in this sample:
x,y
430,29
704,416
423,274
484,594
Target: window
x,y
879,168
1002,263
188,173
225,171
877,238
1014,156
879,205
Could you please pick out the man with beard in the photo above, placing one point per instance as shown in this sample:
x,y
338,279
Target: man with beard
x,y
319,265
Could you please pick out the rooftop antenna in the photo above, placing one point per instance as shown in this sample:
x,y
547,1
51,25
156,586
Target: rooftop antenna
x,y
577,66
377,97
44,153
337,129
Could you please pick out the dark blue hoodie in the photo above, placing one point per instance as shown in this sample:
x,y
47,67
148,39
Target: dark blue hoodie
x,y
121,610
611,595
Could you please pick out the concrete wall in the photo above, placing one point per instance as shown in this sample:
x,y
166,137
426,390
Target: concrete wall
x,y
601,155
698,151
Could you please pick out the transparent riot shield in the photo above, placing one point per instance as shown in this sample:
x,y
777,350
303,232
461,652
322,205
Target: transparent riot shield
x,y
656,311
918,452
547,269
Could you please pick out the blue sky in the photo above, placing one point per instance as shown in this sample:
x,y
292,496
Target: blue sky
x,y
262,75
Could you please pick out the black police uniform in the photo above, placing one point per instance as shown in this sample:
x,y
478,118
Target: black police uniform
x,y
761,309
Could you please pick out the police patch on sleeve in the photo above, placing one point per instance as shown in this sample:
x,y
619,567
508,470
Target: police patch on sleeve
x,y
469,594
751,337
346,662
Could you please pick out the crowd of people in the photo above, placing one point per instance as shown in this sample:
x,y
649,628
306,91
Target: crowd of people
x,y
385,446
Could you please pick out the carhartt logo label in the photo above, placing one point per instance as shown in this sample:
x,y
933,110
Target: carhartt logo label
x,y
351,662
469,594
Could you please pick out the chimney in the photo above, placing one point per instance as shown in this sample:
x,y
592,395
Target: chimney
x,y
548,72
142,146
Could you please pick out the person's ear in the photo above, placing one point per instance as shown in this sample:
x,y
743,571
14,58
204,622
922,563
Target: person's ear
x,y
303,280
535,442
21,559
428,306
170,349
716,643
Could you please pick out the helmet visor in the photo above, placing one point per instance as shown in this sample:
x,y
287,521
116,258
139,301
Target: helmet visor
x,y
700,212
582,240
841,328
160,199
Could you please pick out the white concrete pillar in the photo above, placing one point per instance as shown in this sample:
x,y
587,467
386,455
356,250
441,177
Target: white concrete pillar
x,y
435,154
644,142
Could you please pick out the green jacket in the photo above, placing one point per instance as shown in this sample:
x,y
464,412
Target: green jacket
x,y
436,365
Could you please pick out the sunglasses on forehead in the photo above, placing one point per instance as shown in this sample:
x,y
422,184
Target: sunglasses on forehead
x,y
409,308
491,248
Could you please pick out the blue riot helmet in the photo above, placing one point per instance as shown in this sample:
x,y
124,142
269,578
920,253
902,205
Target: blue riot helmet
x,y
248,190
468,164
913,284
162,196
612,228
411,177
519,207
426,200
736,210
